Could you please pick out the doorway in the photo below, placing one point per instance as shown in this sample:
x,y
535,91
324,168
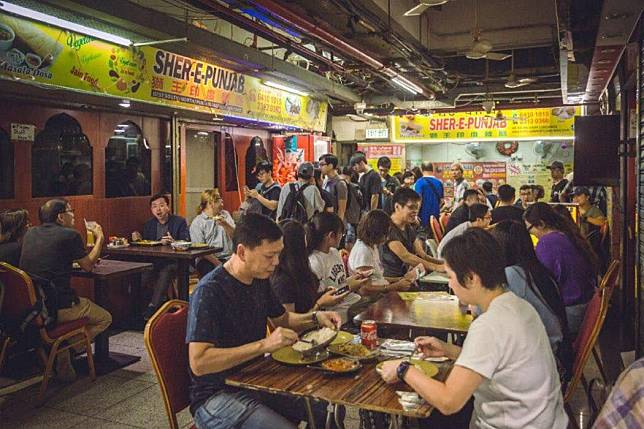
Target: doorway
x,y
202,152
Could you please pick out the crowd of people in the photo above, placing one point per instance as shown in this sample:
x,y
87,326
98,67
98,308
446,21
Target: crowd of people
x,y
321,249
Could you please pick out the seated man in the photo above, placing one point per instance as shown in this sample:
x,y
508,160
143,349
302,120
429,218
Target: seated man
x,y
403,249
506,210
479,217
229,312
48,251
461,213
164,227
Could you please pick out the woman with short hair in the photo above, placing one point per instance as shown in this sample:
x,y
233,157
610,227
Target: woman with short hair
x,y
505,362
214,226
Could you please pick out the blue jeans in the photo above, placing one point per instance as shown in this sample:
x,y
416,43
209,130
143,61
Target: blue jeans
x,y
254,410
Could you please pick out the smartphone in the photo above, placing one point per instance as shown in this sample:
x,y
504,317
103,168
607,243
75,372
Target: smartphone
x,y
340,291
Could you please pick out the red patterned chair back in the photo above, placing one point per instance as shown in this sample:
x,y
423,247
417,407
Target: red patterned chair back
x,y
443,219
19,293
610,279
587,336
164,337
436,229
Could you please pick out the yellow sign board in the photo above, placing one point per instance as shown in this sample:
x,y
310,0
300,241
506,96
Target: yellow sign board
x,y
52,56
519,124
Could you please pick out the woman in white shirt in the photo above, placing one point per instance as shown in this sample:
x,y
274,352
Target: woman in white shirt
x,y
323,234
365,256
214,226
505,362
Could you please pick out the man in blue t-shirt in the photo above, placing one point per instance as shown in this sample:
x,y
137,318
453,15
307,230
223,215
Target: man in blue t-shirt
x,y
430,190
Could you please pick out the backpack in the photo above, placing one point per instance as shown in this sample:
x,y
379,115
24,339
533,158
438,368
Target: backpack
x,y
254,206
295,205
355,195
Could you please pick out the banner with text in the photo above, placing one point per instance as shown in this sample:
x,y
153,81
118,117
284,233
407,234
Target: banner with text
x,y
473,172
395,152
52,56
514,124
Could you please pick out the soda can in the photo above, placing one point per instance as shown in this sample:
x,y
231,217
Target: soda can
x,y
369,334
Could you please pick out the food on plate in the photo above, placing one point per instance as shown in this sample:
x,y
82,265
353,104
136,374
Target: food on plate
x,y
33,60
5,33
180,245
118,241
314,338
39,42
340,365
349,349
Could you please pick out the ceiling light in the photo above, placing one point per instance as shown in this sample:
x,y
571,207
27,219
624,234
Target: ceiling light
x,y
422,6
202,133
284,88
403,85
125,103
62,23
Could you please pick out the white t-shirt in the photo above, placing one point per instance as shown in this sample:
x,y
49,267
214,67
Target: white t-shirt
x,y
454,232
364,256
329,269
509,347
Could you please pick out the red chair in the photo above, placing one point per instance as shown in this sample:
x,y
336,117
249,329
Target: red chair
x,y
443,219
164,339
436,229
609,283
19,298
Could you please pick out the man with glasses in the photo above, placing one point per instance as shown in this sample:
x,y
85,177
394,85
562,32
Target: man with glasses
x,y
479,217
165,227
264,198
48,251
403,249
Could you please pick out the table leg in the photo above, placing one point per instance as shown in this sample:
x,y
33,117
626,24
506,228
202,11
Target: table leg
x,y
102,340
182,278
394,424
338,423
309,413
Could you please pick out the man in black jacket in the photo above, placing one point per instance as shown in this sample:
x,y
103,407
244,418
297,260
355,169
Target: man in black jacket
x,y
164,227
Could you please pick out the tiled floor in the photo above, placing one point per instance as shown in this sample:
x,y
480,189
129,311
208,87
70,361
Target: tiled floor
x,y
127,398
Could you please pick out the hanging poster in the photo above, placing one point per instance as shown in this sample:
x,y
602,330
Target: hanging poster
x,y
513,124
395,152
48,55
473,172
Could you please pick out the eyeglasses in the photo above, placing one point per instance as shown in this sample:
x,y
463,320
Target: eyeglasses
x,y
322,163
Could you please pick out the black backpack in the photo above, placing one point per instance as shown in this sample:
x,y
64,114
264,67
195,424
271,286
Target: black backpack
x,y
294,206
355,195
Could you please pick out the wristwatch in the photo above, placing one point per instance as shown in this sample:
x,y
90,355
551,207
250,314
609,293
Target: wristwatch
x,y
402,369
314,318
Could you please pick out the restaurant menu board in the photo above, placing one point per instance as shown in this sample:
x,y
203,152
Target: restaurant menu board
x,y
473,172
468,126
395,152
48,55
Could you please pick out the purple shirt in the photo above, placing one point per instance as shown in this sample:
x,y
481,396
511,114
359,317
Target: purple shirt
x,y
574,274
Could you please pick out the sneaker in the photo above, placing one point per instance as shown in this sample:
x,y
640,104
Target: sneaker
x,y
64,370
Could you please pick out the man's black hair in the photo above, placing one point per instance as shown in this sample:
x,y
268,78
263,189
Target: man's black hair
x,y
487,186
49,211
427,166
160,195
330,159
253,229
506,193
404,195
357,158
384,162
470,193
477,211
524,187
263,166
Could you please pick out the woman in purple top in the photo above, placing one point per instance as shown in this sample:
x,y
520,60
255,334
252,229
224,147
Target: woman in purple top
x,y
568,257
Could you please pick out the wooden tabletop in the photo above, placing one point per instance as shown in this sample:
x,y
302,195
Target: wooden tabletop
x,y
110,268
440,315
363,389
161,252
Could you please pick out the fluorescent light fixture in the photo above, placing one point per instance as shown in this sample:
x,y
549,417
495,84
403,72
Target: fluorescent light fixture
x,y
202,133
125,103
404,85
62,23
284,88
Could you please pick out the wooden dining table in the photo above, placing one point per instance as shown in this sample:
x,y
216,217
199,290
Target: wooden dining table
x,y
436,311
101,274
363,389
153,253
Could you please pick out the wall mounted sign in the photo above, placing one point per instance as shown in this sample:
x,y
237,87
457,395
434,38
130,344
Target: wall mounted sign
x,y
23,132
520,124
48,55
395,152
377,133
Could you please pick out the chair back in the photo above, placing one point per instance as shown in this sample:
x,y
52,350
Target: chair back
x,y
610,279
587,336
436,229
19,292
164,337
443,219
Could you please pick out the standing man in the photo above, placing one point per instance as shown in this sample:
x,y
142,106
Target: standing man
x,y
49,251
460,184
559,182
431,191
263,199
526,196
389,184
507,210
370,182
313,202
165,227
334,185
229,312
403,249
492,198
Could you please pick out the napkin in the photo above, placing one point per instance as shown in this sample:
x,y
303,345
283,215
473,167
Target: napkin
x,y
398,345
409,400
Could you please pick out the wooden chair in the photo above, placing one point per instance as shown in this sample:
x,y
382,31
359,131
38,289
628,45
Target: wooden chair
x,y
19,299
436,229
443,219
164,338
608,283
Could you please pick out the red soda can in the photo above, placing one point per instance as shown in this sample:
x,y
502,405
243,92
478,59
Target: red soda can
x,y
369,334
